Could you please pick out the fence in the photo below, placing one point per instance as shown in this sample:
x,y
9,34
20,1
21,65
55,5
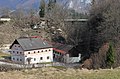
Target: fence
x,y
40,65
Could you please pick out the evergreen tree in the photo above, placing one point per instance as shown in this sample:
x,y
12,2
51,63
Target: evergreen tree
x,y
110,56
42,8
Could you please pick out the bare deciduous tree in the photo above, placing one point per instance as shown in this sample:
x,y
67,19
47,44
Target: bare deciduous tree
x,y
104,26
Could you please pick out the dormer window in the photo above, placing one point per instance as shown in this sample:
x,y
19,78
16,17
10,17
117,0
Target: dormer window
x,y
38,51
34,51
28,52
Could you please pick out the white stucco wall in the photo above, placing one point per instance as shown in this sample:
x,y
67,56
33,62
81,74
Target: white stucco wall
x,y
17,53
36,57
68,59
17,47
18,59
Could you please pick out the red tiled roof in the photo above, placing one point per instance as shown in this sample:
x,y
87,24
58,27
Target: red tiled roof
x,y
60,51
35,37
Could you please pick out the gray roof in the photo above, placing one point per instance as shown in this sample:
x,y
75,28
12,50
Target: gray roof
x,y
64,47
33,43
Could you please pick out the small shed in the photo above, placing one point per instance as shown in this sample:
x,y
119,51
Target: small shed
x,y
63,53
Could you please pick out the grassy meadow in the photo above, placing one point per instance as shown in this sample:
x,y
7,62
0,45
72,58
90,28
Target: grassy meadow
x,y
3,55
61,73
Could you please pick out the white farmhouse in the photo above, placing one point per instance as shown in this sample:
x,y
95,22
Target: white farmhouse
x,y
30,50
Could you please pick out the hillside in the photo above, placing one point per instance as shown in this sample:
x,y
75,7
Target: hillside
x,y
61,73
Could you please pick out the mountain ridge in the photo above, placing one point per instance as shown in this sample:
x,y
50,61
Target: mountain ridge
x,y
78,5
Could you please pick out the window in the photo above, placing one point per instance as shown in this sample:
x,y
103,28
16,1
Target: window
x,y
17,59
38,51
20,59
13,51
28,52
34,59
48,57
20,52
18,46
45,50
15,45
41,58
42,51
49,50
17,52
60,54
34,51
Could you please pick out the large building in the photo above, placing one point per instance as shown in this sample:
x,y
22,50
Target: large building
x,y
30,50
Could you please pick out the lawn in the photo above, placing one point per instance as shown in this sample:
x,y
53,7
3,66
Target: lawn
x,y
56,73
4,55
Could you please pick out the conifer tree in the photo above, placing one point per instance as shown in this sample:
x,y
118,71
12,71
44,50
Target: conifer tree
x,y
110,56
42,8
